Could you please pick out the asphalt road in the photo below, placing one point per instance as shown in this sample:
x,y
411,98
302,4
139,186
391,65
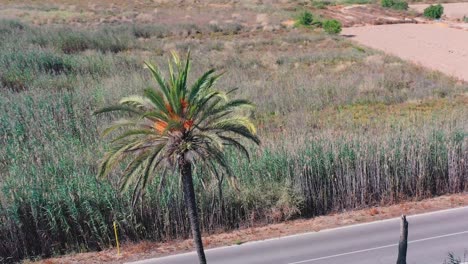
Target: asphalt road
x,y
431,237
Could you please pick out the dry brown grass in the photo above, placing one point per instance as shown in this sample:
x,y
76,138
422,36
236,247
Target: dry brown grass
x,y
154,12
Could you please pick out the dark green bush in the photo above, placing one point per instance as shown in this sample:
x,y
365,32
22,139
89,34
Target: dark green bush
x,y
395,4
304,18
387,3
400,5
332,26
434,11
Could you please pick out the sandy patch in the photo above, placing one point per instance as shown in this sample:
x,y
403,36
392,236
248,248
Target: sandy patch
x,y
431,45
451,10
360,15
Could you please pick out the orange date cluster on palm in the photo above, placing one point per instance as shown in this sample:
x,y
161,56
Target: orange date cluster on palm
x,y
186,124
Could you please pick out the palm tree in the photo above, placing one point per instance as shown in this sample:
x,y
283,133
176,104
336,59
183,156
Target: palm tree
x,y
176,126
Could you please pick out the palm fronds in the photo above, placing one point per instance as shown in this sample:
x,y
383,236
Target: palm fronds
x,y
175,119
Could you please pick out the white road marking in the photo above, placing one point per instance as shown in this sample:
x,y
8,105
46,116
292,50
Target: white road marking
x,y
376,248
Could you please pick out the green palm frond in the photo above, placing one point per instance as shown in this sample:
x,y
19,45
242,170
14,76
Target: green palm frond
x,y
174,120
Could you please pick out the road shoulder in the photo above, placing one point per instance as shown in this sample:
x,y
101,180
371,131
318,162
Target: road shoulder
x,y
145,250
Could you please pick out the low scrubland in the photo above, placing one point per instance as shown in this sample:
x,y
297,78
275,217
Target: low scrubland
x,y
342,127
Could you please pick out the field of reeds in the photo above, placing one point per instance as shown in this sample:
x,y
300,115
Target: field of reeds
x,y
342,127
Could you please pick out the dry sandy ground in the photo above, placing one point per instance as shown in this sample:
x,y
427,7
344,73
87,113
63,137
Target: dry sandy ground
x,y
451,10
360,15
431,45
144,250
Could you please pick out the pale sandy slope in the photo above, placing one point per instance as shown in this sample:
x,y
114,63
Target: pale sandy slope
x,y
451,10
430,45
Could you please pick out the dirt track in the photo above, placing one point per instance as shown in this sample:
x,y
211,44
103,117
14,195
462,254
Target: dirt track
x,y
431,45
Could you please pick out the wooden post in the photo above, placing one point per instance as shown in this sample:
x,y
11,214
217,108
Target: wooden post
x,y
116,238
403,244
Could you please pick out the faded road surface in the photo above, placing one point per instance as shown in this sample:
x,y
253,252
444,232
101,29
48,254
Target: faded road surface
x,y
431,237
431,45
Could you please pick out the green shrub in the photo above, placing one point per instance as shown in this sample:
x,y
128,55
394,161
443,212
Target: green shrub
x,y
434,11
387,3
332,26
465,19
395,4
400,5
305,18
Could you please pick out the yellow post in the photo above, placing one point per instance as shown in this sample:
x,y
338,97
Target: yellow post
x,y
116,238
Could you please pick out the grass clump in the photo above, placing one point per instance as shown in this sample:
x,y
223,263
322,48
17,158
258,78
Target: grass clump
x,y
434,11
332,26
149,31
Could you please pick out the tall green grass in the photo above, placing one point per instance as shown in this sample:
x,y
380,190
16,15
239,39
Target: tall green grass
x,y
307,165
54,198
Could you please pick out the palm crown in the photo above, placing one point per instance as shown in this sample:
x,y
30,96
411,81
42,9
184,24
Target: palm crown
x,y
175,121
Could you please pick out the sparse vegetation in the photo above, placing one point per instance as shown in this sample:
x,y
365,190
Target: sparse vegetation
x,y
358,2
320,4
343,127
434,11
453,259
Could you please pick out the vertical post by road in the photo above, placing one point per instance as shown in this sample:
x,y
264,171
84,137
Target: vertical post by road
x,y
403,244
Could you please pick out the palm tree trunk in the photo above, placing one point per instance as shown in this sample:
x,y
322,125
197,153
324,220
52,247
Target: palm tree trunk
x,y
189,195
